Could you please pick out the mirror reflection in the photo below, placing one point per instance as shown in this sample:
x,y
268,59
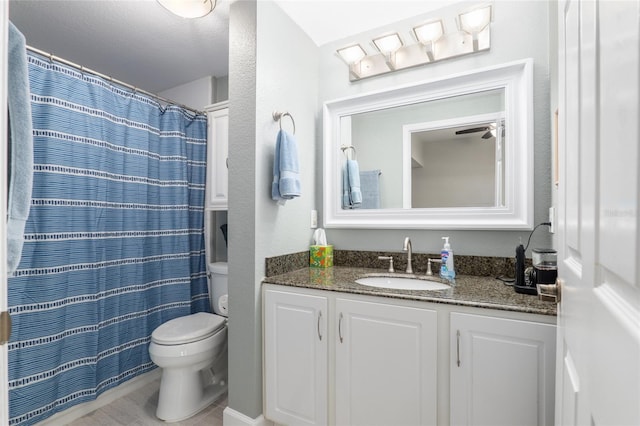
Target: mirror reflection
x,y
442,153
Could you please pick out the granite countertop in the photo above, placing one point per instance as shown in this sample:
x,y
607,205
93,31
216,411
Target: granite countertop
x,y
476,291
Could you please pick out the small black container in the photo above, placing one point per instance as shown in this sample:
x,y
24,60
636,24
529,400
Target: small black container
x,y
545,266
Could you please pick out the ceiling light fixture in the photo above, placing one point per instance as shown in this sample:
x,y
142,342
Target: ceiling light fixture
x,y
388,45
428,34
474,22
353,56
432,44
189,8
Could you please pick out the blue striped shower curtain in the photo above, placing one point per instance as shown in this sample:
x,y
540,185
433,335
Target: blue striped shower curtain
x,y
114,242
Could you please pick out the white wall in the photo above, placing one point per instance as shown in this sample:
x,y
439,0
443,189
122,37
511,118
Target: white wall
x,y
195,94
467,181
199,93
273,66
520,30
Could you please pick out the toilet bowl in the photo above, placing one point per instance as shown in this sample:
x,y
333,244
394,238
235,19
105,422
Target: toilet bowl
x,y
192,352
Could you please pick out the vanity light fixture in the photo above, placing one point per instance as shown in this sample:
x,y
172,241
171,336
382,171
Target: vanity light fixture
x,y
353,56
189,8
388,45
428,34
474,22
432,43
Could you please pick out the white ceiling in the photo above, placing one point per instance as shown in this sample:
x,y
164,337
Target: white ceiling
x,y
140,43
329,20
136,41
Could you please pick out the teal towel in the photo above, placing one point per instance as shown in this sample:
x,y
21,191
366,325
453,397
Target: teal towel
x,y
286,169
20,147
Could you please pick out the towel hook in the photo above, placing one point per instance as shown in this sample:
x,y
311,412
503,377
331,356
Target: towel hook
x,y
277,116
344,149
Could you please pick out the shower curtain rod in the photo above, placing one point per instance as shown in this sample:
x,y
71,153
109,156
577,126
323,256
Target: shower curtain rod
x,y
111,79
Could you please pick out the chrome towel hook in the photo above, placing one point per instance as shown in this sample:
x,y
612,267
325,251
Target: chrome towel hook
x,y
277,116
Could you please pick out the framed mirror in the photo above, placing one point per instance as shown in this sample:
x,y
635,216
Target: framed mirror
x,y
452,153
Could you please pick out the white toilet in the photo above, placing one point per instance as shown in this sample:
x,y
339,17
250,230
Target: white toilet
x,y
192,352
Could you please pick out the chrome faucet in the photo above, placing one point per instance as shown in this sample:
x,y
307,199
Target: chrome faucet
x,y
407,247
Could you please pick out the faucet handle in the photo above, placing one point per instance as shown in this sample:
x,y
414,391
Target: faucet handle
x,y
390,259
429,265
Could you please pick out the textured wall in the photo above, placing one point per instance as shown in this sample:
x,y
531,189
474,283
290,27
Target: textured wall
x,y
273,66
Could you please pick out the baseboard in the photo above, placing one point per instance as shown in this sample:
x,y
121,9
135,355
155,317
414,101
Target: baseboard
x,y
231,417
77,411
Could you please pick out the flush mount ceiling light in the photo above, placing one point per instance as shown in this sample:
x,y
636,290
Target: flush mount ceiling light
x,y
432,43
189,8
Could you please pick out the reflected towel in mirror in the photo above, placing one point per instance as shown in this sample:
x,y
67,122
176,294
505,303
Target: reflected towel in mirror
x,y
351,194
370,188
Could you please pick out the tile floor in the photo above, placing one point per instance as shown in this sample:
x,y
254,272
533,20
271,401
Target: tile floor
x,y
139,407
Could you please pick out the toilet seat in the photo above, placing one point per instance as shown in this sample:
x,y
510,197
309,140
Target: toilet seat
x,y
187,329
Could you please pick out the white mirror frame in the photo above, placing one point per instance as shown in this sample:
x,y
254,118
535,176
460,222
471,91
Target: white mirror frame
x,y
516,78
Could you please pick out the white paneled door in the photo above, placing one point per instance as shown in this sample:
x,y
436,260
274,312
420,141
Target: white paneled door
x,y
598,364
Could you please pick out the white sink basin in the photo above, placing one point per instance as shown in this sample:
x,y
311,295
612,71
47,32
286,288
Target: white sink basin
x,y
402,283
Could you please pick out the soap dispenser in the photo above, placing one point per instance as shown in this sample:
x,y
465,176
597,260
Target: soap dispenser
x,y
447,270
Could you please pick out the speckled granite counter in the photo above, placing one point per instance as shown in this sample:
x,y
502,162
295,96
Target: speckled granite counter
x,y
483,292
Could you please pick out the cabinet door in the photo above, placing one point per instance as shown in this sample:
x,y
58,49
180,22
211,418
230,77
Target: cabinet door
x,y
217,155
385,364
502,371
295,358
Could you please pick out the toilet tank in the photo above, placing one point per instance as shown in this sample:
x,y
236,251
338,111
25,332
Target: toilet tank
x,y
218,288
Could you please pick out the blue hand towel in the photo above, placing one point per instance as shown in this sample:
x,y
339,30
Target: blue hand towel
x,y
286,168
20,146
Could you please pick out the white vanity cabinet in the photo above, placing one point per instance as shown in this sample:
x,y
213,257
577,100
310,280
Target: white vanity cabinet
x,y
295,357
385,364
333,358
502,371
217,156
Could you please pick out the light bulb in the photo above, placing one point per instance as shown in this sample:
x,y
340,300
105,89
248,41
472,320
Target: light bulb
x,y
476,20
352,54
429,32
388,44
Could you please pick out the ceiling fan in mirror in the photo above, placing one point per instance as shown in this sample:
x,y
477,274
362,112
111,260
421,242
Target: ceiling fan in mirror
x,y
490,131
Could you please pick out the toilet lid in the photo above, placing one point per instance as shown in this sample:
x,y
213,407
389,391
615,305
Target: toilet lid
x,y
188,329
